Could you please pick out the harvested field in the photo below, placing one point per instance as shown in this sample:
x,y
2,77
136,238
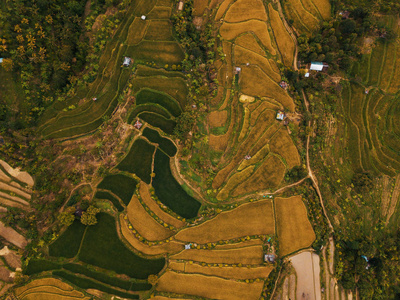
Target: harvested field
x,y
208,286
19,175
217,118
225,272
199,6
255,82
254,218
145,224
48,289
244,56
294,229
154,207
307,266
252,255
268,176
141,167
230,31
218,142
12,236
282,144
243,10
165,248
234,181
283,39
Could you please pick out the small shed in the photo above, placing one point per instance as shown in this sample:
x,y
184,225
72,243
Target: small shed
x,y
316,66
127,61
180,5
138,125
1,60
307,75
269,258
280,115
238,70
344,14
283,84
187,246
143,17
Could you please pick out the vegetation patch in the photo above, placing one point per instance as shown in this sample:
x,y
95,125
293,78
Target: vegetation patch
x,y
101,247
108,196
121,185
169,191
36,266
141,167
165,144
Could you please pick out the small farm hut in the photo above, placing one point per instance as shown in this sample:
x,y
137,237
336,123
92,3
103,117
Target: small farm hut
x,y
1,60
269,258
280,115
143,17
238,70
316,66
138,125
127,61
187,246
180,5
283,84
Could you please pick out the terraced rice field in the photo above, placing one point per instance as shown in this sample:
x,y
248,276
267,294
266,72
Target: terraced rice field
x,y
15,187
145,41
307,15
372,131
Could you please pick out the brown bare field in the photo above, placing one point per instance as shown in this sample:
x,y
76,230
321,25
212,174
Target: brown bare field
x,y
283,39
246,124
13,190
170,247
199,6
268,176
241,273
264,121
324,8
282,144
145,224
255,82
16,173
12,236
230,31
222,9
252,255
243,10
244,56
248,219
47,289
136,31
217,118
208,286
153,206
249,42
237,245
294,229
15,201
234,181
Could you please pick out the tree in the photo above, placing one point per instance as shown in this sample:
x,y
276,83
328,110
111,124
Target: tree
x,y
362,182
67,217
89,216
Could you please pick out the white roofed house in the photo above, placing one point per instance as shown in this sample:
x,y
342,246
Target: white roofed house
x,y
316,66
127,61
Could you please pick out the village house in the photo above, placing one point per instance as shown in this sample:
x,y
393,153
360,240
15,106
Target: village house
x,y
143,17
180,5
138,125
127,61
283,84
280,115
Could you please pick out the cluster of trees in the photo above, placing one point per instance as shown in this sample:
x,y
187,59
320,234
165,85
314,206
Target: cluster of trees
x,y
87,217
45,45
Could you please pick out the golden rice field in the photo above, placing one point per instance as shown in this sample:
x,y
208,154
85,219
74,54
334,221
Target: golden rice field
x,y
251,255
218,118
255,218
145,224
158,249
243,10
282,143
294,229
249,41
155,208
136,32
208,286
228,272
285,42
48,289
